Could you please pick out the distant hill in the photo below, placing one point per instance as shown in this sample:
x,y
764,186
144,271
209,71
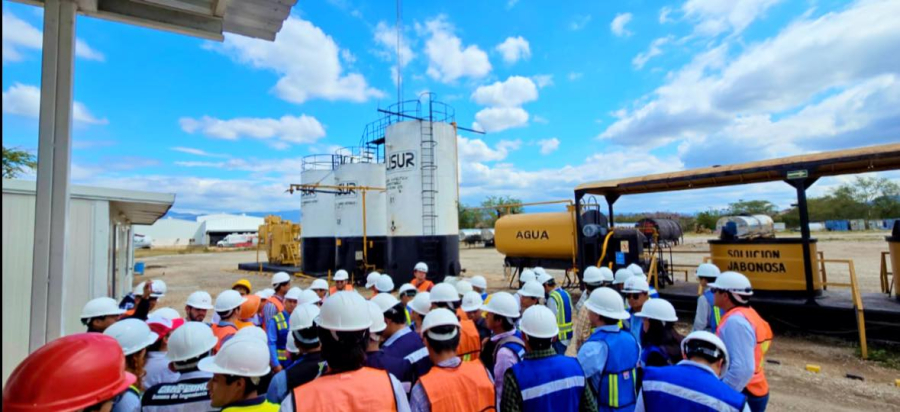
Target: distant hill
x,y
292,215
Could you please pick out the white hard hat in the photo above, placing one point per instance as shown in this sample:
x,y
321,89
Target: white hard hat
x,y
157,288
659,309
607,302
539,270
538,321
190,341
406,287
200,300
344,312
708,270
704,336
471,301
621,276
372,278
239,357
733,282
291,346
252,332
444,292
98,307
385,301
544,278
636,269
280,277
451,280
376,315
421,267
266,293
228,300
440,317
606,274
636,284
592,275
293,294
165,313
319,284
421,304
303,317
532,290
308,296
341,274
503,304
527,275
463,287
384,284
139,289
132,335
479,281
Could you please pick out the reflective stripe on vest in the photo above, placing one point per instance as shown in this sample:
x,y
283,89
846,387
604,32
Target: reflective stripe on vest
x,y
281,332
758,384
408,319
564,310
264,406
617,380
686,387
467,387
551,383
715,312
365,389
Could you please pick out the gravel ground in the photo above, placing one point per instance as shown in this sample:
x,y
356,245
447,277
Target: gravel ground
x,y
792,387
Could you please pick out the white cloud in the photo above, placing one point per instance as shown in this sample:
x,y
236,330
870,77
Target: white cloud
x,y
514,49
618,25
664,15
548,145
25,100
543,80
540,119
496,119
579,22
257,166
575,76
822,69
515,91
655,50
196,152
279,133
19,34
386,39
306,58
714,17
476,150
447,59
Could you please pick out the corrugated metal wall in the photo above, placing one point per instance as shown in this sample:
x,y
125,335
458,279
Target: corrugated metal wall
x,y
18,240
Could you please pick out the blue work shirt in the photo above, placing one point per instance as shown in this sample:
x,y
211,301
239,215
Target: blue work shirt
x,y
740,340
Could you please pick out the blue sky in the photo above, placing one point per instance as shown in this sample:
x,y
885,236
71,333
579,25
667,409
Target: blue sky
x,y
571,93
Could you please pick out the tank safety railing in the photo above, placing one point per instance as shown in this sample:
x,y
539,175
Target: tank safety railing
x,y
886,285
855,295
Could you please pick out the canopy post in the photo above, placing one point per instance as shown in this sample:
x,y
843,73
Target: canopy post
x,y
579,241
610,200
801,185
54,161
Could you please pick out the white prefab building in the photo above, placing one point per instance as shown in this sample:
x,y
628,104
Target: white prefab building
x,y
99,256
204,231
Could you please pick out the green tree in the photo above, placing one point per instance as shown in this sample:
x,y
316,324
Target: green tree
x,y
468,218
495,207
16,162
708,219
752,207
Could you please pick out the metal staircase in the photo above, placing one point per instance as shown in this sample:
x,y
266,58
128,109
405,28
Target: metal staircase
x,y
429,168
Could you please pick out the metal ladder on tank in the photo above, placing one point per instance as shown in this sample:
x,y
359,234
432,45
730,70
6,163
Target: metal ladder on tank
x,y
429,168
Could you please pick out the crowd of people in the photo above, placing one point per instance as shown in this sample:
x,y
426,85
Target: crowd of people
x,y
451,346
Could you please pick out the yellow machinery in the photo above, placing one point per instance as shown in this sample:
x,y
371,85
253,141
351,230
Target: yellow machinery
x,y
537,235
770,264
280,239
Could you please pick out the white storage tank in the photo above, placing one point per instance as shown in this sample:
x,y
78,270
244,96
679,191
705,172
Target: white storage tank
x,y
422,198
743,227
356,168
317,220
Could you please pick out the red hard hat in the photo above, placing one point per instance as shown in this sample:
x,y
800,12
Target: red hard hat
x,y
72,372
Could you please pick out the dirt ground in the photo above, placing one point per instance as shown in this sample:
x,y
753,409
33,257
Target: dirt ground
x,y
793,388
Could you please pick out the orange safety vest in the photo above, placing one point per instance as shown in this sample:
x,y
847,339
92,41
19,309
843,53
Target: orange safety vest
x,y
241,324
221,333
469,348
423,286
758,385
464,388
279,304
365,389
333,290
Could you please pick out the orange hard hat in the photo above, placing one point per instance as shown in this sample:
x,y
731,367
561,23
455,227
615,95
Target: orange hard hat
x,y
249,307
245,283
70,373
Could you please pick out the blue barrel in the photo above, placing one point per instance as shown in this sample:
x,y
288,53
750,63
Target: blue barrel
x,y
139,268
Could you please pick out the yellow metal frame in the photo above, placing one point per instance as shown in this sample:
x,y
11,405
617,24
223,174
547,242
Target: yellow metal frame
x,y
886,284
856,296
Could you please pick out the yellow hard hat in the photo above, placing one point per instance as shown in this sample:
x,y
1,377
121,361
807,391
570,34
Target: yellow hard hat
x,y
245,283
